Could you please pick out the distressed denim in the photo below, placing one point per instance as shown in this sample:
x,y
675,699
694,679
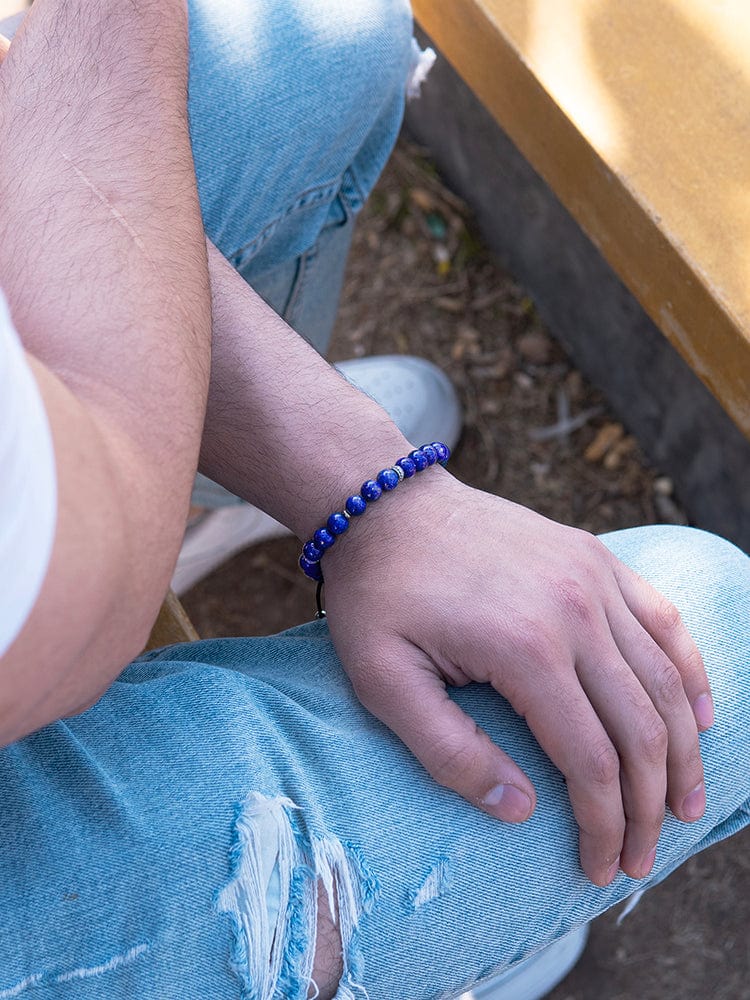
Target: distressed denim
x,y
134,839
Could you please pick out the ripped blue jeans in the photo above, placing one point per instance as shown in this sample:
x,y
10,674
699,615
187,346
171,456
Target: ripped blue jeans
x,y
170,842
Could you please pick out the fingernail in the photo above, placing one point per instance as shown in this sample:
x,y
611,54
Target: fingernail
x,y
694,804
648,863
612,872
508,803
703,709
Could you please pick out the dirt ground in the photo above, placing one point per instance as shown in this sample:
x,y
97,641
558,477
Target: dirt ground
x,y
419,281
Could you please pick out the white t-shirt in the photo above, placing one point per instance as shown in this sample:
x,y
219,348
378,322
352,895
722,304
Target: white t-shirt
x,y
28,485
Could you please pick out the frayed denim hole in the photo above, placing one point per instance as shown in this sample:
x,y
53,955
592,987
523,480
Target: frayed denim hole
x,y
273,858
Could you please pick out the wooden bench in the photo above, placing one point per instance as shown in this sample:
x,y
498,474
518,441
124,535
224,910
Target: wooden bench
x,y
172,625
635,114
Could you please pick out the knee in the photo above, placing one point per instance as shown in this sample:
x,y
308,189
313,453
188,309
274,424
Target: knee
x,y
706,577
328,964
687,561
284,99
317,65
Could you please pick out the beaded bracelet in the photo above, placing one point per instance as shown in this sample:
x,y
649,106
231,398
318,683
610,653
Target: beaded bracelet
x,y
356,505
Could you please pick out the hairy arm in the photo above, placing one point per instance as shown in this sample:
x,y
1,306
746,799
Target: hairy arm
x,y
441,584
102,260
282,426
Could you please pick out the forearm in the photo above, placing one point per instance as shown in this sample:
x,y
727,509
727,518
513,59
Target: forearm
x,y
283,429
102,259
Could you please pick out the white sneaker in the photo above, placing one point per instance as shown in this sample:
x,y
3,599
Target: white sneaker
x,y
536,975
417,395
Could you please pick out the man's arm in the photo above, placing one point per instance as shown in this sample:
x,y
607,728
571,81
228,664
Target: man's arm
x,y
442,584
102,259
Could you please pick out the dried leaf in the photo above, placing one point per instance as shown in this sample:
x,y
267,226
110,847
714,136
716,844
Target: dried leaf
x,y
607,436
613,458
422,199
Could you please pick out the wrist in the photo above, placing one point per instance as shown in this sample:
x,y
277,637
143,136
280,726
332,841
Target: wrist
x,y
398,479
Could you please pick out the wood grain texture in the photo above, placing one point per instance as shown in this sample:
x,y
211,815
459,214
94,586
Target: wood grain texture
x,y
635,112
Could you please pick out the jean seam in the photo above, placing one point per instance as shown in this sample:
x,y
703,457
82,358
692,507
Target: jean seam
x,y
352,192
318,194
306,261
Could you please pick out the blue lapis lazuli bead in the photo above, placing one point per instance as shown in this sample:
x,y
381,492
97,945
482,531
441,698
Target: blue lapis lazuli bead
x,y
311,552
419,458
311,569
337,523
323,539
371,490
442,450
407,466
429,453
388,479
356,505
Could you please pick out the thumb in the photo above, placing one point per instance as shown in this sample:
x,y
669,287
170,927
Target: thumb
x,y
4,46
405,692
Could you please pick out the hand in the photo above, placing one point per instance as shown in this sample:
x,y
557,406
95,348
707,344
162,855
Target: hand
x,y
451,585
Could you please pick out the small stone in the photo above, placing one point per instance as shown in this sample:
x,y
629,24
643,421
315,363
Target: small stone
x,y
337,523
535,347
540,471
437,225
356,505
467,341
407,466
371,490
442,258
491,407
387,479
663,486
668,511
574,386
311,552
323,539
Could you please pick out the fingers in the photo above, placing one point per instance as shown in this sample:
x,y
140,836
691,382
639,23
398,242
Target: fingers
x,y
4,47
640,736
666,689
412,701
566,726
661,619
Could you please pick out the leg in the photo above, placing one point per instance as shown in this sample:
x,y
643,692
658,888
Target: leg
x,y
232,791
293,117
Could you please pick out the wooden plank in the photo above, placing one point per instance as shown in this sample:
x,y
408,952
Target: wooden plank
x,y
635,113
172,625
